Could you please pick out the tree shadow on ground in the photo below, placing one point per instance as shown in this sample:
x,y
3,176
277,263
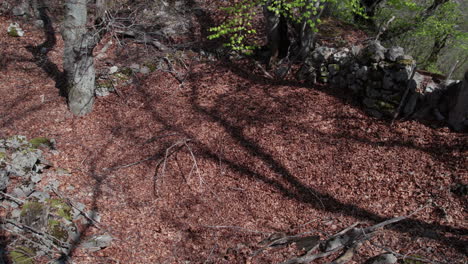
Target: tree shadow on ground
x,y
308,195
40,52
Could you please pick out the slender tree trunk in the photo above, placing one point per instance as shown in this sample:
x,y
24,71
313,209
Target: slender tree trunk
x,y
458,115
427,13
439,44
277,35
307,33
78,61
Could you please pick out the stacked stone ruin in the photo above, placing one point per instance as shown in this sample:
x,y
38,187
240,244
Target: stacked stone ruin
x,y
382,80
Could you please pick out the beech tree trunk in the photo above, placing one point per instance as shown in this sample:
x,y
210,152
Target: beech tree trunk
x,y
277,35
78,60
458,115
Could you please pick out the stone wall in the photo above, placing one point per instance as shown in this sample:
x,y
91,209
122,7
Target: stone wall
x,y
382,80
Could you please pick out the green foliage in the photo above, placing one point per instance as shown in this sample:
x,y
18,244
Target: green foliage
x,y
420,28
22,255
238,28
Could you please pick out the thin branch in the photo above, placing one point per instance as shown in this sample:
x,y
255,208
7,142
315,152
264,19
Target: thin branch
x,y
14,199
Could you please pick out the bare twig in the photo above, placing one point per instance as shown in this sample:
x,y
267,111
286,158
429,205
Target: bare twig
x,y
14,199
384,28
42,235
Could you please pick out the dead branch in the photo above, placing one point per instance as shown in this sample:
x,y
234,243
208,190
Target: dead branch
x,y
403,98
162,163
384,28
44,236
14,199
348,240
405,256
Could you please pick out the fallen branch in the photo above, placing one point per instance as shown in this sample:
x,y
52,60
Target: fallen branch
x,y
162,163
41,235
14,199
403,98
348,240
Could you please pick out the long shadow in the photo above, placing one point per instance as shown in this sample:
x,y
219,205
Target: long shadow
x,y
308,195
40,52
288,184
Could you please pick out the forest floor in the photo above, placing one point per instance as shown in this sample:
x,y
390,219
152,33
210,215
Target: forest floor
x,y
252,157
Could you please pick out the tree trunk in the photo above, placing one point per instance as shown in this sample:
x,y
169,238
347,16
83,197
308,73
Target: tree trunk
x,y
439,44
78,60
458,115
277,35
426,14
307,33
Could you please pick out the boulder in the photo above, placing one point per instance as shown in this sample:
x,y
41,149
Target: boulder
x,y
394,53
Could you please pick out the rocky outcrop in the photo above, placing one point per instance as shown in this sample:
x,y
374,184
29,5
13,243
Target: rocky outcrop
x,y
45,223
384,81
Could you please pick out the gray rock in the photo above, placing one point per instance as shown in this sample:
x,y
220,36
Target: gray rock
x,y
38,23
372,93
135,67
4,179
307,73
21,192
386,258
145,70
16,213
41,196
333,69
113,69
394,53
321,54
387,82
36,177
340,57
363,73
19,10
16,142
403,74
374,52
22,162
101,91
96,243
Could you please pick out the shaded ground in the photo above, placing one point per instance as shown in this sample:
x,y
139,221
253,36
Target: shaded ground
x,y
269,158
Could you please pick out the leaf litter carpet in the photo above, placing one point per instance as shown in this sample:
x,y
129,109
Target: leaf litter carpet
x,y
202,172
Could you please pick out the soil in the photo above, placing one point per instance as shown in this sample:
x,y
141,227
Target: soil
x,y
202,171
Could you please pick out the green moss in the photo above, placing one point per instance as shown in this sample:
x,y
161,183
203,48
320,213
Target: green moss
x,y
31,209
385,105
151,66
22,255
412,261
40,141
13,32
61,208
107,83
126,72
56,230
406,62
3,155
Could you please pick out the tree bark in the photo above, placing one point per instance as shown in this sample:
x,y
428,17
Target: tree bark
x,y
458,115
78,60
439,43
307,34
277,35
